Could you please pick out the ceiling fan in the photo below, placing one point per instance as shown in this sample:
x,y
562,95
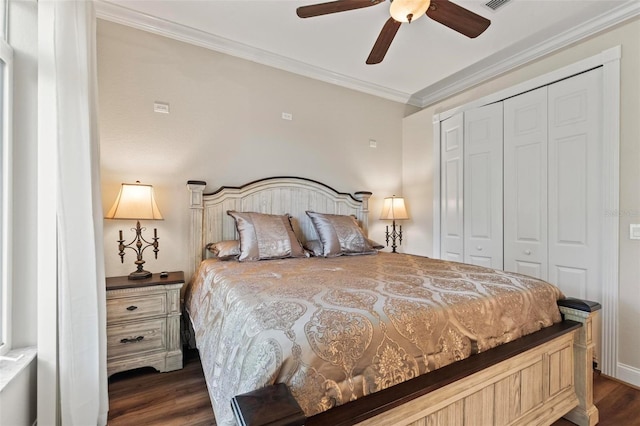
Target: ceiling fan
x,y
449,14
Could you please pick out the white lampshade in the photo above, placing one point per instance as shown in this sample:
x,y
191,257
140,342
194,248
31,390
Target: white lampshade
x,y
408,10
135,201
394,209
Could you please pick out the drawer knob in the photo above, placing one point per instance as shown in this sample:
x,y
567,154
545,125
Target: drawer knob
x,y
132,308
135,340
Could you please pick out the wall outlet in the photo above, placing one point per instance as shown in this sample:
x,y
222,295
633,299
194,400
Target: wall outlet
x,y
287,116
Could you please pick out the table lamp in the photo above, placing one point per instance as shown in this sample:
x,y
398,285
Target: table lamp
x,y
136,202
394,209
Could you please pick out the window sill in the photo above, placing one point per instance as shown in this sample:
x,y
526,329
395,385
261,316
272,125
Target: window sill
x,y
10,369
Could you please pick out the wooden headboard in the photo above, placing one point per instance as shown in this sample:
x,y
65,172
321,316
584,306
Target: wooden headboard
x,y
210,223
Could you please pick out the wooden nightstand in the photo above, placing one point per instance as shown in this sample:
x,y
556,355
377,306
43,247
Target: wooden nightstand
x,y
143,323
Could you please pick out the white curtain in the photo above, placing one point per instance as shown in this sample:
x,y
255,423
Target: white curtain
x,y
83,396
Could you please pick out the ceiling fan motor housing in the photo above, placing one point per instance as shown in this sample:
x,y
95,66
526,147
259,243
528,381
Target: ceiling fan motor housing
x,y
408,10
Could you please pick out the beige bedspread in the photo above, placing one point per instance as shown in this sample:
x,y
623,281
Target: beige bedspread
x,y
335,329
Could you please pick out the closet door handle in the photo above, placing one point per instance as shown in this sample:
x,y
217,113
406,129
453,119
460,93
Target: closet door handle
x,y
527,252
479,248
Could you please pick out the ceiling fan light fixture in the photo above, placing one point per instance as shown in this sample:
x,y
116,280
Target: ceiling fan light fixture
x,y
408,10
445,12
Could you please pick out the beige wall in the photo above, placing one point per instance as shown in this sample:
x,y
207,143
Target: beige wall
x,y
418,161
225,127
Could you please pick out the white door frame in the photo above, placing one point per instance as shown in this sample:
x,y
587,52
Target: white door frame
x,y
609,60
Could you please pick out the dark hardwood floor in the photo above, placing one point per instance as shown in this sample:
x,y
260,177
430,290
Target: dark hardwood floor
x,y
618,404
146,397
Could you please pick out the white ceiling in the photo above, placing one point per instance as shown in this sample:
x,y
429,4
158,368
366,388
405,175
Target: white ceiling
x,y
426,61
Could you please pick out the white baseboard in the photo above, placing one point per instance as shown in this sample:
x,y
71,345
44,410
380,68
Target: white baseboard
x,y
628,374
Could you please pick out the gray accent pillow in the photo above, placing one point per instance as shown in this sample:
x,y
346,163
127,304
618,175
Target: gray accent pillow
x,y
225,250
266,236
340,234
314,247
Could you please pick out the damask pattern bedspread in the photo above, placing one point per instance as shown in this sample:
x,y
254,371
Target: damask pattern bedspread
x,y
335,329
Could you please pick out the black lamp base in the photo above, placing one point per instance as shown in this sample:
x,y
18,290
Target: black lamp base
x,y
393,235
139,275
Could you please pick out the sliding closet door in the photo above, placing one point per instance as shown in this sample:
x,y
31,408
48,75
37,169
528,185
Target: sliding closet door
x,y
575,117
525,184
483,186
451,191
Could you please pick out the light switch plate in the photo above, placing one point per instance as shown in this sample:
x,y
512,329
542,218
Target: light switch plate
x,y
161,107
634,231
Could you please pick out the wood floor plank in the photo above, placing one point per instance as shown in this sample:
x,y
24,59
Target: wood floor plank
x,y
620,407
603,387
618,404
178,398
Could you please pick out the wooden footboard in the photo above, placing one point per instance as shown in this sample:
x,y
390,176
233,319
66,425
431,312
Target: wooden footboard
x,y
532,381
506,393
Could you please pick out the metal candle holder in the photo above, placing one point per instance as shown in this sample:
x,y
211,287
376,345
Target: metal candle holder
x,y
393,235
139,248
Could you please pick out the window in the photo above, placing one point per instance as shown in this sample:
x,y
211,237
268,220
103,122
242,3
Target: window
x,y
6,68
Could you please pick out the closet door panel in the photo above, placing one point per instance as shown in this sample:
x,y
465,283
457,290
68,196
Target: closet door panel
x,y
483,136
452,195
525,184
533,269
575,184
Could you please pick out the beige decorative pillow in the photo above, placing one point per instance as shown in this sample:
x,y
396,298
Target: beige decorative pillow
x,y
225,250
266,236
314,247
340,234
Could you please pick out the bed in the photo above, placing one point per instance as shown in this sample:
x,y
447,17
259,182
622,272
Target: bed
x,y
367,339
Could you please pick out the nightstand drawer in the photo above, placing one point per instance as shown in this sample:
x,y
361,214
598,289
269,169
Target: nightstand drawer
x,y
137,337
137,307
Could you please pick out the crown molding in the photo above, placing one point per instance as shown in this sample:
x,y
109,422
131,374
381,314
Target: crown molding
x,y
122,15
480,72
515,56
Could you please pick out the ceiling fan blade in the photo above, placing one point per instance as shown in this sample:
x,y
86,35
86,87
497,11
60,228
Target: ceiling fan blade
x,y
383,42
334,7
457,18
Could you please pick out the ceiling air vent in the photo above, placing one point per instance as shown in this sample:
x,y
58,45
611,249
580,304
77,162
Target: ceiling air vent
x,y
496,4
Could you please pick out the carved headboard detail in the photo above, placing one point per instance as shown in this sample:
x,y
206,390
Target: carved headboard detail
x,y
210,223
